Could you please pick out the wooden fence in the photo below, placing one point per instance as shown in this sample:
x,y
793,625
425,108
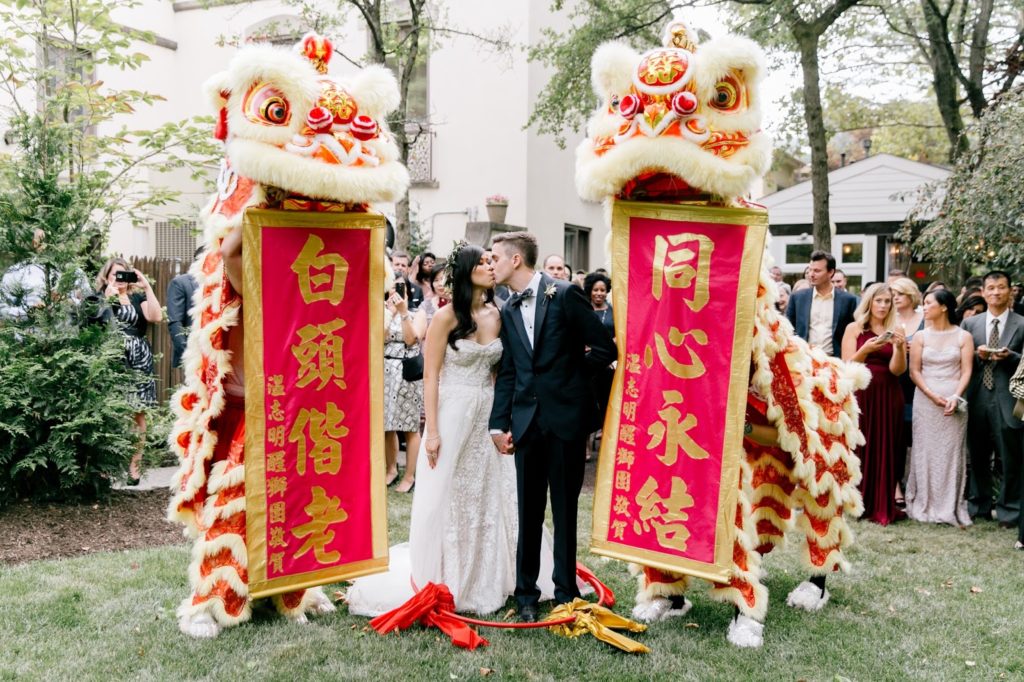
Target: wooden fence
x,y
160,272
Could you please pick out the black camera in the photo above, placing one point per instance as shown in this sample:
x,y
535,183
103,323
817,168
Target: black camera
x,y
400,288
126,276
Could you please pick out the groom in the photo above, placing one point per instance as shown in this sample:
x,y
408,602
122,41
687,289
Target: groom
x,y
544,407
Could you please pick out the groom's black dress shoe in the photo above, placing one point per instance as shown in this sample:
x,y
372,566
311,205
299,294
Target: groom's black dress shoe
x,y
528,614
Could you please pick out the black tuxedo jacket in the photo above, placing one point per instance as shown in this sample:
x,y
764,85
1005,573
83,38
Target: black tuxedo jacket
x,y
844,304
551,382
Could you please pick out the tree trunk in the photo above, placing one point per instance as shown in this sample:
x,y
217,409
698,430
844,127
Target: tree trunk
x,y
947,94
815,120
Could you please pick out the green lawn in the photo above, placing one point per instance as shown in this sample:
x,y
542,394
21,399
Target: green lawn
x,y
922,602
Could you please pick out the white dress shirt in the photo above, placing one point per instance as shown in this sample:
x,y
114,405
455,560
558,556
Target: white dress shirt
x,y
1002,324
528,306
819,328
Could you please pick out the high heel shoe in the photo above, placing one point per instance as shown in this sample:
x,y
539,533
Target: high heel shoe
x,y
394,479
405,492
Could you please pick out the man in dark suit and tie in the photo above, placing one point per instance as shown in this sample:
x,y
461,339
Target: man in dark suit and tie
x,y
820,314
991,427
544,407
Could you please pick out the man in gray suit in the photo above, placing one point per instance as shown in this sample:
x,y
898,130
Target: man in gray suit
x,y
991,427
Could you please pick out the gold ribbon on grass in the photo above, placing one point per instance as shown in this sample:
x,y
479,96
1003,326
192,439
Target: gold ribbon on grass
x,y
598,621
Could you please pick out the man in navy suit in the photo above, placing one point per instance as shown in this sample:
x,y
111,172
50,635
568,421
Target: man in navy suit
x,y
820,314
544,407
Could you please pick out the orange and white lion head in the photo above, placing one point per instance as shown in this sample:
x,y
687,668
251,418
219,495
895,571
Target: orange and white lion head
x,y
287,124
675,122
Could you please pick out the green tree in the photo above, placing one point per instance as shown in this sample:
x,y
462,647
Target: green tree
x,y
977,216
66,414
798,27
970,50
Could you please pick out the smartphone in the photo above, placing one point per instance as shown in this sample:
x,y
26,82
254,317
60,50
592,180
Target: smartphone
x,y
886,336
125,276
400,288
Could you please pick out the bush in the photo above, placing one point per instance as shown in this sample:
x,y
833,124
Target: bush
x,y
66,411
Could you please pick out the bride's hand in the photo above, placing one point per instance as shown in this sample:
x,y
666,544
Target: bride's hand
x,y
433,447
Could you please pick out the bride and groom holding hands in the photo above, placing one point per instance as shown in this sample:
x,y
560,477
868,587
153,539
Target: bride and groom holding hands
x,y
493,447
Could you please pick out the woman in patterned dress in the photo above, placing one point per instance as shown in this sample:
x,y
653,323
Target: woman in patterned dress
x,y
403,400
135,306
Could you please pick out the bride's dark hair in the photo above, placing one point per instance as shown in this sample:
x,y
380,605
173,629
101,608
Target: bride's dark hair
x,y
459,280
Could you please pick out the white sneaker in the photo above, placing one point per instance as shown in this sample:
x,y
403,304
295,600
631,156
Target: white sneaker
x,y
746,632
661,608
201,625
807,596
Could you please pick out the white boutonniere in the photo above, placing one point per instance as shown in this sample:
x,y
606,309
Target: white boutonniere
x,y
550,290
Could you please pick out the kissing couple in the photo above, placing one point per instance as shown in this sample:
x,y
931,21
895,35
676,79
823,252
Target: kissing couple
x,y
493,448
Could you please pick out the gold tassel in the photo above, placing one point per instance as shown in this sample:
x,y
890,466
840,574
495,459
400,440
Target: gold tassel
x,y
598,621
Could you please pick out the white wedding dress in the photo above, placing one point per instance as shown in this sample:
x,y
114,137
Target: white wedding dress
x,y
464,525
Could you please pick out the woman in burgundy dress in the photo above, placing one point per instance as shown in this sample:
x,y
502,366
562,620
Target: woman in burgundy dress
x,y
875,339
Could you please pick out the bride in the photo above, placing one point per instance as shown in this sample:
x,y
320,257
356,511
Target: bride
x,y
464,525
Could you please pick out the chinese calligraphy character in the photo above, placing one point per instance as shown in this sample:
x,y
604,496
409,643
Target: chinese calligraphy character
x,y
321,275
324,430
618,529
319,355
276,485
664,515
631,388
624,457
633,363
275,384
629,410
627,434
275,461
676,337
277,511
276,413
622,480
276,559
323,511
275,435
277,537
673,431
683,268
622,505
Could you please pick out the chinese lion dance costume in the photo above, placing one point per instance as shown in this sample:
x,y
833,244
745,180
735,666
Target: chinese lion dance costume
x,y
298,139
681,123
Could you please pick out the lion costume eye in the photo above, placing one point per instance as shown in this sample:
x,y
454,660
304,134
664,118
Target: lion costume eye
x,y
266,105
728,94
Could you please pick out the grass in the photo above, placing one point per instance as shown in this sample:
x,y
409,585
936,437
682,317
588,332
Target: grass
x,y
922,603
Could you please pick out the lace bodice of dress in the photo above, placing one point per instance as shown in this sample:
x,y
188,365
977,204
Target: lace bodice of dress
x,y
940,356
471,364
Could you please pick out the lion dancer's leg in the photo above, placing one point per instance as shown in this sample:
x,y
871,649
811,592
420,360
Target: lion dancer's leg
x,y
744,589
218,571
660,594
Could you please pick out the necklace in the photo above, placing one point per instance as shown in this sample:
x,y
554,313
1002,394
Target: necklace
x,y
603,313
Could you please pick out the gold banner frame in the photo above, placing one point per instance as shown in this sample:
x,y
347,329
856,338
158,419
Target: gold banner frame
x,y
255,428
756,222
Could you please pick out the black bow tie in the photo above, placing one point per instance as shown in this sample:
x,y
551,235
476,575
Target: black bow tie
x,y
517,299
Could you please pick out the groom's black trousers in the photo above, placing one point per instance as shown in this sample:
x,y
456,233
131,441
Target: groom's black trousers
x,y
543,458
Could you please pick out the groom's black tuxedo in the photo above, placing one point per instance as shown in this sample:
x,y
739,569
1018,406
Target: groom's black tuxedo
x,y
543,396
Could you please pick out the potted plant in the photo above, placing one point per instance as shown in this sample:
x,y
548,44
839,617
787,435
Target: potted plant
x,y
497,207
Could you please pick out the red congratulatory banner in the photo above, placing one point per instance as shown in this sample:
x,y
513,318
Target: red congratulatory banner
x,y
313,307
684,280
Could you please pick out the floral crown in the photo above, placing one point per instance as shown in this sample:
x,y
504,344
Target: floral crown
x,y
449,266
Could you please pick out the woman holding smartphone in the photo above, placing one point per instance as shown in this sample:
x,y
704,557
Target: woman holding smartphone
x,y
875,339
403,400
135,305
